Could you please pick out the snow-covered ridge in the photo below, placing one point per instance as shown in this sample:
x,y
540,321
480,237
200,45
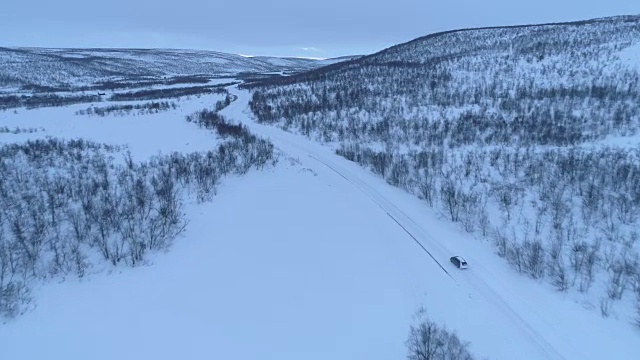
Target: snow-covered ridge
x,y
581,78
55,67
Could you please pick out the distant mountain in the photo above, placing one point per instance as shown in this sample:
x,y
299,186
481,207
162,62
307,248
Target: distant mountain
x,y
300,63
28,67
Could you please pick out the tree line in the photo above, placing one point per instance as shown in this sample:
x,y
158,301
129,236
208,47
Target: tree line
x,y
152,107
154,94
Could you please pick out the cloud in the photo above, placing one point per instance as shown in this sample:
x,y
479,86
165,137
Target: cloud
x,y
311,49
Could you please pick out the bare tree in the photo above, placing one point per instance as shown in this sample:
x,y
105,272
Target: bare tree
x,y
591,259
14,292
502,241
617,280
451,198
605,306
507,198
429,341
556,268
534,255
470,208
427,187
559,209
625,209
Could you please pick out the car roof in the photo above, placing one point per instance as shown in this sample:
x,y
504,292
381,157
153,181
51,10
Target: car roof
x,y
460,258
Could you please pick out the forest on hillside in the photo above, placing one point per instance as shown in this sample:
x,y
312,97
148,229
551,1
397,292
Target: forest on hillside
x,y
510,132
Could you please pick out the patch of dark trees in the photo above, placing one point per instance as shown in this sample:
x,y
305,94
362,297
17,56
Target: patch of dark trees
x,y
429,340
122,110
44,100
154,94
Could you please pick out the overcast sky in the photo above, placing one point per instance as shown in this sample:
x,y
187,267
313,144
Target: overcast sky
x,y
324,28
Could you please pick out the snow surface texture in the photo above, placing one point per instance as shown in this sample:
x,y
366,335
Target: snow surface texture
x,y
315,259
631,55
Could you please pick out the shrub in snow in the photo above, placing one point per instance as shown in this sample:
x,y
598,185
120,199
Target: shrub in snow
x,y
430,341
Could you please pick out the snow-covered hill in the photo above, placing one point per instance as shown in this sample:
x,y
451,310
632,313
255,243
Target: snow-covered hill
x,y
525,136
569,83
60,68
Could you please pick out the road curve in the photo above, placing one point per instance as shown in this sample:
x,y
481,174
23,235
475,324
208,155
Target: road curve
x,y
436,251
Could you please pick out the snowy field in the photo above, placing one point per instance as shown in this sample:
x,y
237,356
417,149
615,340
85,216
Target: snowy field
x,y
144,135
313,259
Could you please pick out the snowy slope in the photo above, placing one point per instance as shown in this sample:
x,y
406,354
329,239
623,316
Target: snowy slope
x,y
315,259
631,55
82,67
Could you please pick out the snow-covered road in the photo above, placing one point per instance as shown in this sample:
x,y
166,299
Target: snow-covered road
x,y
495,315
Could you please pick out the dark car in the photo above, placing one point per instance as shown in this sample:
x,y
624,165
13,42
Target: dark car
x,y
459,262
